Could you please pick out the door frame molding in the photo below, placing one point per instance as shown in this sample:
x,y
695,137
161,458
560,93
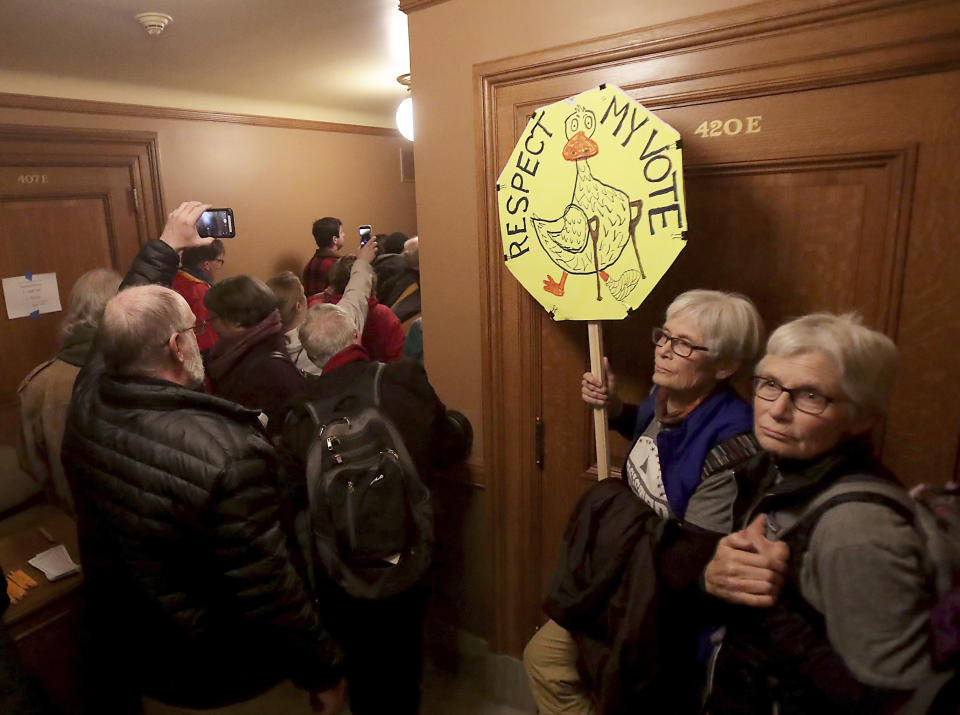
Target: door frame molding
x,y
70,146
794,45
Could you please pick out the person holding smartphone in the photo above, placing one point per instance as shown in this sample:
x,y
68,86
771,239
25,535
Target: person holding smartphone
x,y
198,272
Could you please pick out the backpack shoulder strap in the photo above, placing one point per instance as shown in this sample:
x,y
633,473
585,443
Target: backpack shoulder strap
x,y
376,383
855,488
797,527
311,410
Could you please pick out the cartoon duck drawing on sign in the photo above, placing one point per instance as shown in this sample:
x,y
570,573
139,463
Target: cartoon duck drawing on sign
x,y
598,223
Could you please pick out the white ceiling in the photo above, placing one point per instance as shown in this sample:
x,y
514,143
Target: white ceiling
x,y
330,60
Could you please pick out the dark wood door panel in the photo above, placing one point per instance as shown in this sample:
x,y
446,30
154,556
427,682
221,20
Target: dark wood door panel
x,y
63,212
43,236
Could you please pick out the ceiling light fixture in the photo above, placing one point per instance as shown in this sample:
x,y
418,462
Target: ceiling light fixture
x,y
405,110
154,22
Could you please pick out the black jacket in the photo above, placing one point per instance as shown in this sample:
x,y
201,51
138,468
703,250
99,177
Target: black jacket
x,y
187,573
626,588
783,654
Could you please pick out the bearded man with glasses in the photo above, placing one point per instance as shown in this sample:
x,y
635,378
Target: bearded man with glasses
x,y
191,595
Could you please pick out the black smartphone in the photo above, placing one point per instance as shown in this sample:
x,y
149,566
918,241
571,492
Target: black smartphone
x,y
217,223
364,234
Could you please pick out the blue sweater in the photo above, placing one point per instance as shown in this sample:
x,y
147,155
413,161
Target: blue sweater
x,y
684,448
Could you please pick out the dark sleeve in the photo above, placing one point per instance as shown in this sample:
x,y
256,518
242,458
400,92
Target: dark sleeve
x,y
807,652
253,558
683,552
293,435
286,382
155,264
626,422
412,404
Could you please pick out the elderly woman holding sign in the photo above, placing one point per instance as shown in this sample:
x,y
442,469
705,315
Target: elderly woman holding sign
x,y
692,418
692,426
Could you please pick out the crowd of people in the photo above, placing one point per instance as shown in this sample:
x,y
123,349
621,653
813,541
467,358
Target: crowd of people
x,y
160,425
724,573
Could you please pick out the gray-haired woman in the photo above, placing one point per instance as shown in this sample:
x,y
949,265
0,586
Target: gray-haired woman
x,y
691,426
44,394
848,632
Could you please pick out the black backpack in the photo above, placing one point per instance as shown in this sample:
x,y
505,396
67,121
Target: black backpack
x,y
370,518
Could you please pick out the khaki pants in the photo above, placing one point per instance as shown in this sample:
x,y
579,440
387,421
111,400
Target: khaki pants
x,y
550,660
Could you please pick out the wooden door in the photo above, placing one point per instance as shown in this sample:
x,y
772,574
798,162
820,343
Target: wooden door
x,y
67,205
820,159
800,220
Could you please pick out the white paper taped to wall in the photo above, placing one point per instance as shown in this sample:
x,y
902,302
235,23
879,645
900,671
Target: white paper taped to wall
x,y
31,294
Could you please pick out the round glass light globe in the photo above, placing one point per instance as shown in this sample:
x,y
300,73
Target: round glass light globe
x,y
405,118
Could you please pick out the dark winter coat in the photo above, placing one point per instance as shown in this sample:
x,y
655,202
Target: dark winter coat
x,y
187,575
255,370
626,590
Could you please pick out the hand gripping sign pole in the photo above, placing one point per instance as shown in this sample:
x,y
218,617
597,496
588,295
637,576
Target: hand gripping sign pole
x,y
592,213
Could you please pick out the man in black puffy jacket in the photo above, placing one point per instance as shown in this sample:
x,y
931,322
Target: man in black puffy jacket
x,y
192,598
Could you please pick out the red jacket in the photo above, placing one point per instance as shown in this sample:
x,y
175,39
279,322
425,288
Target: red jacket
x,y
193,289
382,336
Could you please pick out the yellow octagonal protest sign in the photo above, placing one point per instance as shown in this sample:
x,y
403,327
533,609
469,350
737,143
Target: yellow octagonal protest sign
x,y
591,202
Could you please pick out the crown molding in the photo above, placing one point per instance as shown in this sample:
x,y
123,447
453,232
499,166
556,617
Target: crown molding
x,y
409,6
86,106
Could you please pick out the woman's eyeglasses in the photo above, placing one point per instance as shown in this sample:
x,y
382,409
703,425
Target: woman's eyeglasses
x,y
804,399
680,346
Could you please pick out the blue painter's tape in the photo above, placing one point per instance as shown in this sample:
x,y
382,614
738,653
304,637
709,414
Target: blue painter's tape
x,y
35,314
28,275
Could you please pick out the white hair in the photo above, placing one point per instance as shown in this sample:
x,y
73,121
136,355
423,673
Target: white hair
x,y
411,252
866,359
326,330
728,322
136,325
88,298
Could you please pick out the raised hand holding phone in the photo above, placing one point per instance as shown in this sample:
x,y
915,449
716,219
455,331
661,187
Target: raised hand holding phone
x,y
368,250
216,223
180,230
365,233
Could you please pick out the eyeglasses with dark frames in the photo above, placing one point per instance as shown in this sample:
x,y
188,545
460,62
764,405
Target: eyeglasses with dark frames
x,y
680,346
805,399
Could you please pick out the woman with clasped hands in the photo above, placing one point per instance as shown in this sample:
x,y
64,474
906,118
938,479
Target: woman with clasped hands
x,y
690,426
837,622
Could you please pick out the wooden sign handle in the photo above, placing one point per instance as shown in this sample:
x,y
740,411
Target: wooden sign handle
x,y
595,333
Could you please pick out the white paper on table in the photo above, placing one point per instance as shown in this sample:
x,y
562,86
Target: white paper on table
x,y
31,293
55,563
